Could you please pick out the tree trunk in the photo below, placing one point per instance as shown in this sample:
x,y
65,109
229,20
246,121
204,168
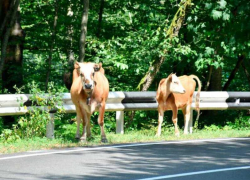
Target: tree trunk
x,y
233,73
11,46
53,38
246,72
172,31
215,83
83,30
100,19
12,39
150,75
209,78
67,77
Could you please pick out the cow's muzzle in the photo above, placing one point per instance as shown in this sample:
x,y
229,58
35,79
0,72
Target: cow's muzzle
x,y
88,86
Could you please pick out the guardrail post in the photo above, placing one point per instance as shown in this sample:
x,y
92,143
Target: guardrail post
x,y
190,123
50,127
119,122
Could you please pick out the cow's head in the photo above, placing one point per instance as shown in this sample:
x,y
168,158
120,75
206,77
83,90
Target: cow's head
x,y
87,73
175,85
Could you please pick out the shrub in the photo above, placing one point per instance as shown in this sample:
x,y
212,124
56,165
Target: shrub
x,y
33,124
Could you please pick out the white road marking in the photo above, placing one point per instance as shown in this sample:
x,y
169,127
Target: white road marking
x,y
116,146
196,173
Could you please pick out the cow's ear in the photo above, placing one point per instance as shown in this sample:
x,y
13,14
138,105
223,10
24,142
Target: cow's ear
x,y
170,77
76,65
97,67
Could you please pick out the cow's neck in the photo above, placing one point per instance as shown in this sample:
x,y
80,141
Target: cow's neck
x,y
168,92
89,96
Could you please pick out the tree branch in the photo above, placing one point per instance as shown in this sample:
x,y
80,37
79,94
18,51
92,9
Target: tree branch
x,y
232,75
246,72
209,78
172,31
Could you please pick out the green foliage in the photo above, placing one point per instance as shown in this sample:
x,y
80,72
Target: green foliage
x,y
240,123
1,125
133,35
212,128
66,131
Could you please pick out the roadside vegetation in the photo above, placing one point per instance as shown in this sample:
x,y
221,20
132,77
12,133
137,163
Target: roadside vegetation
x,y
42,143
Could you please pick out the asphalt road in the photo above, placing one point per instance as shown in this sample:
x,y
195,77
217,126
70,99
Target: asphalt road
x,y
218,159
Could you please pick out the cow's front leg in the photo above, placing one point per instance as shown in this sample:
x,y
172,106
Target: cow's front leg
x,y
160,119
84,125
175,120
101,123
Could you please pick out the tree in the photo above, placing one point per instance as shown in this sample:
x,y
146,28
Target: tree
x,y
53,37
233,73
12,40
100,19
83,30
67,77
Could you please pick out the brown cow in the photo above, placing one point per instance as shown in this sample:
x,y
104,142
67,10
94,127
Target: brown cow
x,y
171,96
89,90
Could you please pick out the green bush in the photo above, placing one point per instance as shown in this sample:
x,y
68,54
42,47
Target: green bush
x,y
33,124
1,125
242,122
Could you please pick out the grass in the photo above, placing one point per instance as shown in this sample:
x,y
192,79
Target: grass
x,y
128,137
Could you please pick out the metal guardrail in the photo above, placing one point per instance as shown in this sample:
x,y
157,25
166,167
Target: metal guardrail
x,y
126,101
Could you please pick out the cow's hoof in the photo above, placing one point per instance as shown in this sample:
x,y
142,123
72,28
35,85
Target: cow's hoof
x,y
104,140
177,134
83,140
157,135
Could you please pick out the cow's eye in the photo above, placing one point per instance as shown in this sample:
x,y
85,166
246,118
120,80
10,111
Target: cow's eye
x,y
93,74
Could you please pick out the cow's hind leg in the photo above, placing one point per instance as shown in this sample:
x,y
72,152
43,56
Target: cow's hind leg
x,y
88,127
78,121
175,120
101,123
160,119
186,114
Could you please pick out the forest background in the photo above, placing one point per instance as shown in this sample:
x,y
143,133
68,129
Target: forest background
x,y
139,42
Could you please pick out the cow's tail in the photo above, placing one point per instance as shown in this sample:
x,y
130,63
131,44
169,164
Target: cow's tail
x,y
197,98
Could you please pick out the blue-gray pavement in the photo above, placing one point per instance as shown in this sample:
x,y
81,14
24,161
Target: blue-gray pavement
x,y
185,160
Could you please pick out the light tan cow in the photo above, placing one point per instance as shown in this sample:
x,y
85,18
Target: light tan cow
x,y
89,91
177,93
